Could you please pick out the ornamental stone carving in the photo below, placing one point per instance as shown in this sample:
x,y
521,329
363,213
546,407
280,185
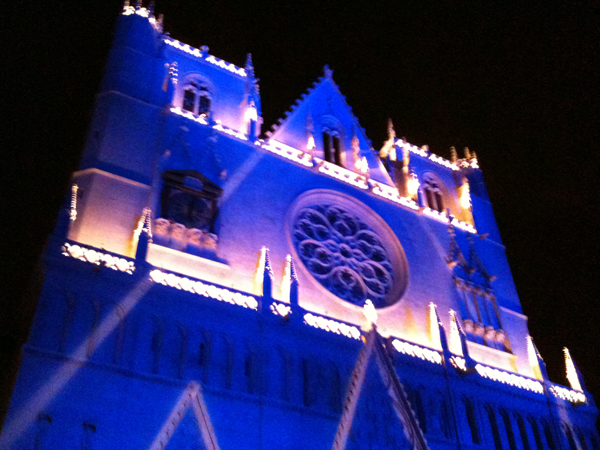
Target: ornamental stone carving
x,y
339,246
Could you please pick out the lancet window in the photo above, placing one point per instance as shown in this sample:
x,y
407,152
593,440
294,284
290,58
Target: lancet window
x,y
332,147
196,98
480,314
432,192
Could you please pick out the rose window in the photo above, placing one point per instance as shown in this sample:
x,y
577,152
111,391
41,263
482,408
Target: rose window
x,y
344,254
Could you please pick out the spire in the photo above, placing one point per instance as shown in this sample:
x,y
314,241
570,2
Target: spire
x,y
412,184
467,153
459,333
327,72
310,143
249,67
388,149
573,375
476,264
264,274
437,329
370,314
289,285
142,236
532,357
390,130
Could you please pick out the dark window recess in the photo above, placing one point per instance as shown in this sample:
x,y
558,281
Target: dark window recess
x,y
536,434
196,98
494,426
549,436
189,98
509,431
204,101
523,433
332,149
190,199
472,420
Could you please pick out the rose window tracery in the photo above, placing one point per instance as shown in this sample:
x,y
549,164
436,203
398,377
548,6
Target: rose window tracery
x,y
344,254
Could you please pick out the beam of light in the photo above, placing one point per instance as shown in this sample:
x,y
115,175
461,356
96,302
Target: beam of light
x,y
27,415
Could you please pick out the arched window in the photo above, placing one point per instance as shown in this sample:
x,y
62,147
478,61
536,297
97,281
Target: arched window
x,y
250,369
204,351
509,430
196,97
182,351
416,401
570,437
536,433
472,421
522,432
307,391
432,190
581,438
494,427
285,373
332,146
157,342
335,393
549,436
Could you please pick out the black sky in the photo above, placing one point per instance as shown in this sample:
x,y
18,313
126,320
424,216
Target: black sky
x,y
516,84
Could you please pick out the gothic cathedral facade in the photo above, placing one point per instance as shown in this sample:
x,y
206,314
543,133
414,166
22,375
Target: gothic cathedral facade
x,y
207,288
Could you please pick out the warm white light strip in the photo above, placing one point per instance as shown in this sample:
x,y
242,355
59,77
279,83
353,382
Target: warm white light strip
x,y
205,56
202,121
143,12
203,289
417,351
281,309
332,326
435,158
391,193
189,115
510,379
288,152
345,175
98,258
567,394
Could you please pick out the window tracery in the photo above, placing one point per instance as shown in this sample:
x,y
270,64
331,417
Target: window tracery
x,y
196,98
332,147
347,248
188,213
344,254
432,192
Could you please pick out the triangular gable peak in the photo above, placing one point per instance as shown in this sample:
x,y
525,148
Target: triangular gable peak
x,y
322,111
191,398
374,350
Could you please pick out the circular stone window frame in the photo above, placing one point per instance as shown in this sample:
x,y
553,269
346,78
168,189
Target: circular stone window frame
x,y
396,255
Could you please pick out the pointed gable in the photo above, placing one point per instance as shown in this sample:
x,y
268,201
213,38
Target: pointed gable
x,y
323,109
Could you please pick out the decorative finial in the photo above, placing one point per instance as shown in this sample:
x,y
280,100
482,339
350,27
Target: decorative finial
x,y
453,154
126,4
474,156
370,314
204,48
249,65
412,184
138,4
390,130
327,72
151,9
467,153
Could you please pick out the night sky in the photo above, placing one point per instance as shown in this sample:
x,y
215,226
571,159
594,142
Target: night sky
x,y
516,84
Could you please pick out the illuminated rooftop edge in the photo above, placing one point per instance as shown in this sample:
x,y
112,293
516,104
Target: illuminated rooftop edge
x,y
219,293
332,170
